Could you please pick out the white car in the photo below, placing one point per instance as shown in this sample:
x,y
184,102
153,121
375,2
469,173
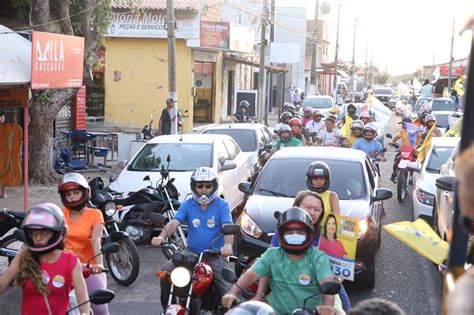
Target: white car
x,y
188,152
251,138
424,178
322,102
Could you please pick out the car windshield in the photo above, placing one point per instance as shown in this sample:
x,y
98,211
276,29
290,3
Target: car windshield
x,y
317,102
245,138
184,157
438,157
286,177
442,121
382,91
443,105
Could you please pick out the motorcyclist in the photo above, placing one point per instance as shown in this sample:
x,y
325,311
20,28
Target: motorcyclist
x,y
286,139
206,214
85,228
284,120
368,144
330,135
298,109
364,117
45,231
307,116
295,258
318,179
299,132
356,132
316,124
242,115
357,99
430,123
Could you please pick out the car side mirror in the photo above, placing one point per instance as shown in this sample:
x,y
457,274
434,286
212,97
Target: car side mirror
x,y
268,147
122,164
245,187
228,165
261,147
231,229
381,194
112,178
446,183
413,167
388,135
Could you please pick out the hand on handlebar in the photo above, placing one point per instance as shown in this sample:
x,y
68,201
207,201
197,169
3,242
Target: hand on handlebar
x,y
157,241
97,268
228,299
226,250
325,310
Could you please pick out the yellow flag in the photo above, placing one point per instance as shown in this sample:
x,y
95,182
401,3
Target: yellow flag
x,y
346,128
420,236
423,150
455,130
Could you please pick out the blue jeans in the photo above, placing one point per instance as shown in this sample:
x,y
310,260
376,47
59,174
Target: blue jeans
x,y
346,303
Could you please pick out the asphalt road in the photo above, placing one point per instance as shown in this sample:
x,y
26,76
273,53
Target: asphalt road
x,y
402,275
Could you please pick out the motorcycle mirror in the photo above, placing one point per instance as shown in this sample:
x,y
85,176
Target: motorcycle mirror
x,y
389,135
112,178
330,288
146,178
110,248
19,235
277,215
99,199
229,275
383,150
101,296
168,158
157,218
231,229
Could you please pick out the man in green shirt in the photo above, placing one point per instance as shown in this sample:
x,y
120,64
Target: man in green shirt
x,y
286,139
295,269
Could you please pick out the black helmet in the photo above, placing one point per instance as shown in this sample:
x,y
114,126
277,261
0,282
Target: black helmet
x,y
252,308
283,129
286,115
44,216
73,181
244,104
318,169
295,219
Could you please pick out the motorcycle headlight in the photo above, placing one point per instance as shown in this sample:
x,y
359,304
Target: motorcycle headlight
x,y
363,227
180,277
249,226
110,209
425,197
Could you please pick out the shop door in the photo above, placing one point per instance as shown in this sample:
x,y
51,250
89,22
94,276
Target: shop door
x,y
204,84
230,92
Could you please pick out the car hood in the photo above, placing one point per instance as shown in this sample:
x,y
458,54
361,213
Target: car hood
x,y
426,181
129,181
262,208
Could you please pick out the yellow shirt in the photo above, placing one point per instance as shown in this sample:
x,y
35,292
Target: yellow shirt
x,y
327,205
351,139
402,134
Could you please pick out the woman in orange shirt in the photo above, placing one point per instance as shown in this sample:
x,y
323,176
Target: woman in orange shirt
x,y
85,228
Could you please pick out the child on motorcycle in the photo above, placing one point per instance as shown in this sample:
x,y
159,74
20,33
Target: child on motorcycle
x,y
44,271
206,213
295,268
86,226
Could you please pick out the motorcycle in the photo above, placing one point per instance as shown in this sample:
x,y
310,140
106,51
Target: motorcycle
x,y
404,175
376,160
124,264
9,244
191,280
147,131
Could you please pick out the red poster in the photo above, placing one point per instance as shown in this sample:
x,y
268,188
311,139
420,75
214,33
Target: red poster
x,y
56,61
215,34
14,97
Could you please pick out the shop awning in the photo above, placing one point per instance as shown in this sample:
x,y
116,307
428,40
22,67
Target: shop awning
x,y
245,61
15,57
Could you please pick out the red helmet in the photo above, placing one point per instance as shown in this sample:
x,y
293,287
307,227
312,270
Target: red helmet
x,y
74,181
295,219
295,122
44,216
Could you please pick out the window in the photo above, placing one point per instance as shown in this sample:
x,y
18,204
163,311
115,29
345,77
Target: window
x,y
244,138
232,148
371,173
222,153
268,135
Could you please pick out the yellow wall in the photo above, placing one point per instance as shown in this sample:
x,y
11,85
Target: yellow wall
x,y
218,87
143,87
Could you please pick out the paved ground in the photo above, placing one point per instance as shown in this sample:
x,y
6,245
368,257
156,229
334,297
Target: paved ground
x,y
402,275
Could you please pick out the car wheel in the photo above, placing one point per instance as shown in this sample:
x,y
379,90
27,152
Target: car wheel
x,y
368,280
379,237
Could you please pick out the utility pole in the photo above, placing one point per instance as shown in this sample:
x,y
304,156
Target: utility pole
x,y
261,74
366,61
171,25
313,81
451,58
370,67
353,83
337,49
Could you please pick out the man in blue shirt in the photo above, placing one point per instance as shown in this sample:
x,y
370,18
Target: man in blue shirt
x,y
368,144
205,214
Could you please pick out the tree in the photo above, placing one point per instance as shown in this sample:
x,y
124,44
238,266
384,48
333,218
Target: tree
x,y
86,18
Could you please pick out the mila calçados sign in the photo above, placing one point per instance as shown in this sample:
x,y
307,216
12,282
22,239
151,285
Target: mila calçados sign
x,y
56,61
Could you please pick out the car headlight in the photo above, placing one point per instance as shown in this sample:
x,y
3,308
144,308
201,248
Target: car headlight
x,y
110,209
363,227
180,277
249,226
425,197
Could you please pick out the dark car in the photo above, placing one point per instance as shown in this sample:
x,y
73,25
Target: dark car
x,y
384,95
354,179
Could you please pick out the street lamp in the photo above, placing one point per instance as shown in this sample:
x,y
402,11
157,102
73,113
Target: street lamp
x,y
325,9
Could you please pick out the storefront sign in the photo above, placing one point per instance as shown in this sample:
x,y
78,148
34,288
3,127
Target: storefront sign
x,y
14,97
56,61
151,24
215,34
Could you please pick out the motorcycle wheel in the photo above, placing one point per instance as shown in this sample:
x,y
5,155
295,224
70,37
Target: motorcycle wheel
x,y
402,185
124,265
9,242
195,307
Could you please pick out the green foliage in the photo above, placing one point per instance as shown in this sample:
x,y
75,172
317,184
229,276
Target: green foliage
x,y
20,3
100,16
44,96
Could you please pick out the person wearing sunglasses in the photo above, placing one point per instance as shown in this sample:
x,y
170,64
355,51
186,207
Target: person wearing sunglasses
x,y
206,214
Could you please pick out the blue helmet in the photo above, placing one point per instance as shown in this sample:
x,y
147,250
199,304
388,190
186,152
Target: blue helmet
x,y
204,175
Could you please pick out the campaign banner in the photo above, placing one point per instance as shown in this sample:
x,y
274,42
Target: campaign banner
x,y
15,97
381,112
215,34
339,240
57,61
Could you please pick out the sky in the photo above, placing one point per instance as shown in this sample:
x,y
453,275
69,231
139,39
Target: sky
x,y
402,35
